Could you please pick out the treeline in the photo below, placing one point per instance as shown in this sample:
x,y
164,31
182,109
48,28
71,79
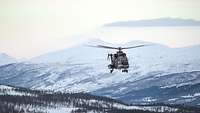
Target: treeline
x,y
35,101
27,100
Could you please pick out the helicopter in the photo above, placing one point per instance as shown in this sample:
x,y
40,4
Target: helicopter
x,y
119,60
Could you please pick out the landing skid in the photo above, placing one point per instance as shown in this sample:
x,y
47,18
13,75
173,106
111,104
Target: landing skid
x,y
111,70
125,70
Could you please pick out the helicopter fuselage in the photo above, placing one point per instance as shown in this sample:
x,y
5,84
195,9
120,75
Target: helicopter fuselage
x,y
119,61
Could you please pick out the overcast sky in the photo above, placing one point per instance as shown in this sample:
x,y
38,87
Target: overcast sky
x,y
32,27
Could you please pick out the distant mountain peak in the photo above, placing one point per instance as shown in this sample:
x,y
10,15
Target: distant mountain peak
x,y
156,23
3,55
6,59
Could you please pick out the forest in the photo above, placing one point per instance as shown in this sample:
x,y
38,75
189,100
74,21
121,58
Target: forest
x,y
22,100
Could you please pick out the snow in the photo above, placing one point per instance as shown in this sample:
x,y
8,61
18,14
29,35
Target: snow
x,y
197,94
149,108
87,70
84,69
187,96
60,110
156,22
172,99
191,95
169,86
5,59
5,87
10,92
119,106
7,90
92,65
149,99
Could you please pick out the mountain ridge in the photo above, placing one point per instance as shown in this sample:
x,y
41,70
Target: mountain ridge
x,y
84,69
6,59
82,47
158,22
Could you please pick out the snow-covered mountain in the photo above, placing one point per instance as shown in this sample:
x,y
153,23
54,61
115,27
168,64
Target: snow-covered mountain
x,y
169,72
79,53
156,22
5,59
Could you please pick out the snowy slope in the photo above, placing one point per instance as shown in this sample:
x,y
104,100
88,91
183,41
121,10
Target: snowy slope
x,y
8,90
78,54
83,68
154,57
5,59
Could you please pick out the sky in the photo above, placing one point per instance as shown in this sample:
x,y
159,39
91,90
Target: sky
x,y
29,28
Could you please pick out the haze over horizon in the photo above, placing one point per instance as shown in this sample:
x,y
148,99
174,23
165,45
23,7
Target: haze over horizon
x,y
30,28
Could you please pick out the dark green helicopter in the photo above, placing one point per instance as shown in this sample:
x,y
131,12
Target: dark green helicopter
x,y
119,59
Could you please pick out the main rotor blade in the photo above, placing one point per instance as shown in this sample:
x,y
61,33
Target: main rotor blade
x,y
118,48
133,47
101,46
107,47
